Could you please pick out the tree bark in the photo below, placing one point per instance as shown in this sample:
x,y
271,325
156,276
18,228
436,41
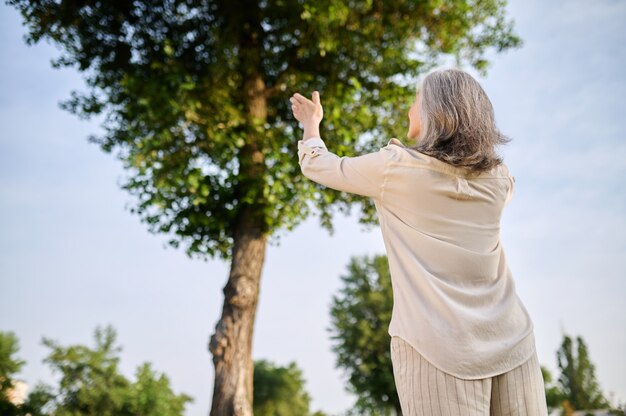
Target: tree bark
x,y
231,345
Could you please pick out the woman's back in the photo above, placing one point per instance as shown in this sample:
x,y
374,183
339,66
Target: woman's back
x,y
443,202
454,295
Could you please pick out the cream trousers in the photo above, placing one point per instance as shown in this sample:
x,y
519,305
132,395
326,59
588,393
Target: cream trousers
x,y
423,389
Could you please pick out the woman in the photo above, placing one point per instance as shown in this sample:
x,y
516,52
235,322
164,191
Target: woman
x,y
462,342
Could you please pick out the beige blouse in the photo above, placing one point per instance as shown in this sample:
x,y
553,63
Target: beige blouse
x,y
454,297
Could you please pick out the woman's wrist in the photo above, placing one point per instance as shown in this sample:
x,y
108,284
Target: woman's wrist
x,y
311,129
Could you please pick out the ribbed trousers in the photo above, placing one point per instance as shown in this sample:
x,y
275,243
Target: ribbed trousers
x,y
423,389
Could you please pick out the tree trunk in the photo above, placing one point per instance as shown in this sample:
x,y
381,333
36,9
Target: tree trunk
x,y
231,345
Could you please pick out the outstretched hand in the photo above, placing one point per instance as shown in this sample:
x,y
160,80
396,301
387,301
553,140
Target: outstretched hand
x,y
307,111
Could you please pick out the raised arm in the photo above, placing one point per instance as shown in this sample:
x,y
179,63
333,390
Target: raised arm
x,y
362,175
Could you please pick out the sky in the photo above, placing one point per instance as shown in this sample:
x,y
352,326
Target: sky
x,y
73,256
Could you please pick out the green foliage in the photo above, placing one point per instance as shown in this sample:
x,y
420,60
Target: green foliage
x,y
9,366
578,380
196,95
90,384
360,317
619,410
554,394
279,391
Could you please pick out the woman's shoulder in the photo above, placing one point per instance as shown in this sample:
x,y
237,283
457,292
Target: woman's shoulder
x,y
412,156
393,150
396,142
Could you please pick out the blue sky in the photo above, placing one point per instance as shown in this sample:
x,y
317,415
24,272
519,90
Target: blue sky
x,y
72,256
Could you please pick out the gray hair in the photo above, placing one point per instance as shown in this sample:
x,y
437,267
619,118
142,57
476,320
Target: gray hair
x,y
457,121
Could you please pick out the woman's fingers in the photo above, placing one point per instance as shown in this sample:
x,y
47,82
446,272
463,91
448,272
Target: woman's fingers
x,y
316,97
303,108
300,97
296,104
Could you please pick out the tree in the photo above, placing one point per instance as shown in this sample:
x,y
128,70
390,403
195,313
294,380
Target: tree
x,y
577,379
9,366
360,317
554,394
196,101
90,384
279,391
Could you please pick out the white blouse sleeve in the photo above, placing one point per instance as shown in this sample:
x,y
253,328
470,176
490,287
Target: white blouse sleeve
x,y
362,175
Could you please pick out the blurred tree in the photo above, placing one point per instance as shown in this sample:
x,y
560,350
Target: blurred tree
x,y
566,408
360,318
90,384
9,366
577,379
279,391
196,97
554,394
619,409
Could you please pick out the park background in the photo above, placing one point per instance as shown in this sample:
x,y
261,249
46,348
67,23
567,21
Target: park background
x,y
72,256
